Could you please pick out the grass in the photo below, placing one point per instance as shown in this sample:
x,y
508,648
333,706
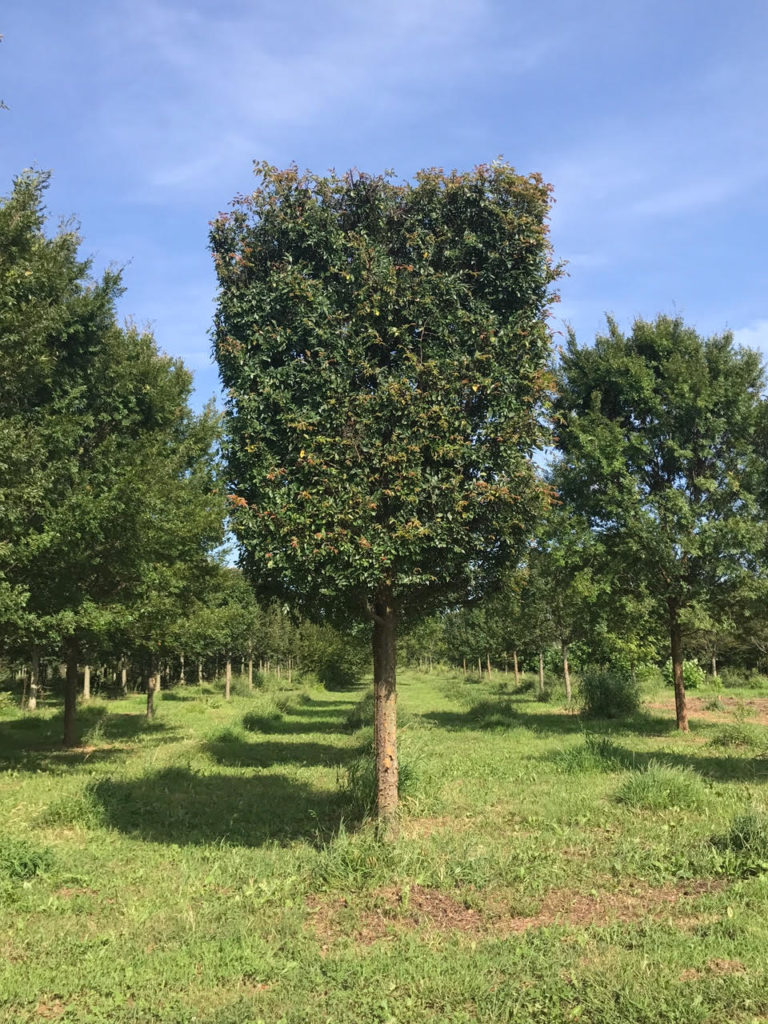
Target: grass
x,y
215,866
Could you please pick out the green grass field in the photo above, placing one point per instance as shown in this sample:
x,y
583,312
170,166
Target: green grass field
x,y
214,866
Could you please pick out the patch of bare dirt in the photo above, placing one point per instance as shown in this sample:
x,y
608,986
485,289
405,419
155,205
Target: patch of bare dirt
x,y
416,828
565,906
50,1009
68,892
396,910
716,967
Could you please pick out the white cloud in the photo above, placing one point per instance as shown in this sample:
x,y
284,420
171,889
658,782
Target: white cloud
x,y
755,335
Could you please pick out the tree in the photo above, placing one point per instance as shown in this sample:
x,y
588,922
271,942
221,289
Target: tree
x,y
384,348
658,442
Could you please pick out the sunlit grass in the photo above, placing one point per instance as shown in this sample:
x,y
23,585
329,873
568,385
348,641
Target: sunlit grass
x,y
215,865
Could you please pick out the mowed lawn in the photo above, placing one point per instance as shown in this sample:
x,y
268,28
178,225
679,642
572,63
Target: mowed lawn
x,y
214,866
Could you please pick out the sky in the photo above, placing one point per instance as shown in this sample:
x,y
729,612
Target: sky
x,y
649,118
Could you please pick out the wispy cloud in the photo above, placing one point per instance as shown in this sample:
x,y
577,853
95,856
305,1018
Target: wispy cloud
x,y
754,335
233,85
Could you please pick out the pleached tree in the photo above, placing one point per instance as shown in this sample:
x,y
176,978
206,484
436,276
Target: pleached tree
x,y
384,348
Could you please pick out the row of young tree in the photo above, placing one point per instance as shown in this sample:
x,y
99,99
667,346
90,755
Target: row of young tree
x,y
112,509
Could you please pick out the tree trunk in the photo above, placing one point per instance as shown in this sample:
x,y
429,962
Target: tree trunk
x,y
541,672
151,686
250,671
385,716
182,680
228,678
714,666
124,676
479,668
676,643
72,678
199,672
566,674
465,666
34,679
86,682
517,670
488,663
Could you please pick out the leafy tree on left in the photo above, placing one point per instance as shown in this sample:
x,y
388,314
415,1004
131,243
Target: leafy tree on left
x,y
107,480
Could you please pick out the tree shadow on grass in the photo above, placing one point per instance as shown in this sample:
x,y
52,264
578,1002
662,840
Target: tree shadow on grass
x,y
35,744
491,714
280,725
181,807
505,714
725,768
230,749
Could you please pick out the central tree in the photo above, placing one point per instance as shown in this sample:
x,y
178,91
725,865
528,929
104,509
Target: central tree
x,y
384,347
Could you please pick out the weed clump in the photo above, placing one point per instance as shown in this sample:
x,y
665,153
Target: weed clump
x,y
608,693
744,846
20,860
714,704
660,787
359,783
596,754
738,734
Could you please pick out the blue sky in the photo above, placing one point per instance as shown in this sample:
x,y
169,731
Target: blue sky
x,y
648,117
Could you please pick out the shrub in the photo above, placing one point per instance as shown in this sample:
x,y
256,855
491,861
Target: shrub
x,y
649,676
20,860
732,678
659,787
608,693
745,844
694,675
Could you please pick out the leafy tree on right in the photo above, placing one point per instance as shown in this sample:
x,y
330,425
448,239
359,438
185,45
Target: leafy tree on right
x,y
659,450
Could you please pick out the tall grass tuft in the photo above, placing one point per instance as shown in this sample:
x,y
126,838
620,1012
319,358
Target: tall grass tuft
x,y
358,784
660,787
